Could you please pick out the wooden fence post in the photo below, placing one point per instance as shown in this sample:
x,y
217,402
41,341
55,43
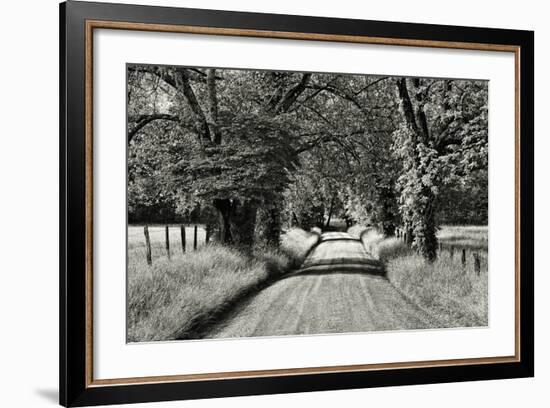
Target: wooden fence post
x,y
207,237
167,239
148,245
195,238
451,251
463,257
477,264
182,231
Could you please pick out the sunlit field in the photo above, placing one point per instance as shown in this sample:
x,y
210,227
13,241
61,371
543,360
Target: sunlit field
x,y
469,236
176,298
453,292
136,241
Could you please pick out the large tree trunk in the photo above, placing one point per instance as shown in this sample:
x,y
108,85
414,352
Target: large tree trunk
x,y
425,240
387,213
409,236
421,218
224,215
236,221
388,220
268,226
242,223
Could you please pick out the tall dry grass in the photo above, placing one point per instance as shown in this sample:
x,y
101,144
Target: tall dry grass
x,y
378,246
296,244
454,294
174,298
356,230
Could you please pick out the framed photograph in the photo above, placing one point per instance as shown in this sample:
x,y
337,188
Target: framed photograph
x,y
256,204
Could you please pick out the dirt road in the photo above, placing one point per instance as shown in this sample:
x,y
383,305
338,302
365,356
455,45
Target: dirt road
x,y
339,289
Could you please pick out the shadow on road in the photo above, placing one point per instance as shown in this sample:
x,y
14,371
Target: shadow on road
x,y
338,270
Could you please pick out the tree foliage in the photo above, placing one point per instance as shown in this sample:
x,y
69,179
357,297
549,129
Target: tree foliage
x,y
443,136
255,151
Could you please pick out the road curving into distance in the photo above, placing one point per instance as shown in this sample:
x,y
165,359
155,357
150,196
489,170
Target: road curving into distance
x,y
339,288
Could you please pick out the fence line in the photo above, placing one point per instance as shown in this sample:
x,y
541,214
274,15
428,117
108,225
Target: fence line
x,y
403,236
167,241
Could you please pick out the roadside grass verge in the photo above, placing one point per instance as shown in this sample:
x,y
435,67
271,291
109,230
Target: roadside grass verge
x,y
454,294
296,244
176,298
356,230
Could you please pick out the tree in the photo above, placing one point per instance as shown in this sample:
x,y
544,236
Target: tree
x,y
313,196
244,173
444,133
256,146
365,107
234,141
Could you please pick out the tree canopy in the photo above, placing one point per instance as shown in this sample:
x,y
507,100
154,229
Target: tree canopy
x,y
250,152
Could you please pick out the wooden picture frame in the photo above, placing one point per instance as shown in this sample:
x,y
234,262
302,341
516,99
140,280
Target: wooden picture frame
x,y
78,20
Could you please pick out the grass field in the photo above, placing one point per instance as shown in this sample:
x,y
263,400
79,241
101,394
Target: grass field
x,y
454,294
136,240
470,237
173,298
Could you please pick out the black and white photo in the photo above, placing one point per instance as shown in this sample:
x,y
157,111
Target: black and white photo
x,y
279,203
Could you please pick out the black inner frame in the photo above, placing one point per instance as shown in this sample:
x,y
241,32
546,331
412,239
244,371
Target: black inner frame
x,y
73,391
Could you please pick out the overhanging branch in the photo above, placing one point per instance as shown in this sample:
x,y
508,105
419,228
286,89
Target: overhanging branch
x,y
143,120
